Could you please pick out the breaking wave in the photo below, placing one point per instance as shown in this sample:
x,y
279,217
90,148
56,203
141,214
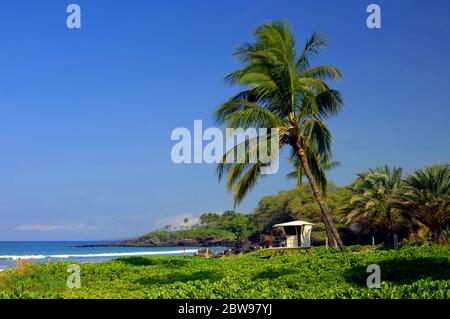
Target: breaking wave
x,y
66,256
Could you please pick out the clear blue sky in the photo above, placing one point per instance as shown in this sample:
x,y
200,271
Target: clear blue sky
x,y
86,115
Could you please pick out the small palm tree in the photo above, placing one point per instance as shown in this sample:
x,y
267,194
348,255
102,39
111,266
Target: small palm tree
x,y
326,164
186,222
371,199
284,92
425,197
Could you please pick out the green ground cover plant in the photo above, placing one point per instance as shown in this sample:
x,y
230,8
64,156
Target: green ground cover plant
x,y
411,272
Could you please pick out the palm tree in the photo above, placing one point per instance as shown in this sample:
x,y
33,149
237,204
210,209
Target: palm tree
x,y
284,92
425,197
371,204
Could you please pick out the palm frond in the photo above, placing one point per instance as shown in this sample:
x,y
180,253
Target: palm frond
x,y
317,135
313,45
246,182
322,72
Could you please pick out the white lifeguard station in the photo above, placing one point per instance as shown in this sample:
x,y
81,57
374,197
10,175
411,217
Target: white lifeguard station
x,y
298,233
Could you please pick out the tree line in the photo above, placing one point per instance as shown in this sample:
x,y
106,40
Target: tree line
x,y
379,203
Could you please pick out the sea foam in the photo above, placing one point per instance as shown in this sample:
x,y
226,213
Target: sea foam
x,y
66,256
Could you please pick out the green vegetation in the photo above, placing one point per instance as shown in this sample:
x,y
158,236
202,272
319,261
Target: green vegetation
x,y
300,204
425,199
419,203
370,203
378,203
212,235
413,272
228,228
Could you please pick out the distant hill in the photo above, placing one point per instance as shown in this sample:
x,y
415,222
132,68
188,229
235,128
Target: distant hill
x,y
197,236
229,228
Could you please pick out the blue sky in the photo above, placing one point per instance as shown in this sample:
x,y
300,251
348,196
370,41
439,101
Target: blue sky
x,y
86,115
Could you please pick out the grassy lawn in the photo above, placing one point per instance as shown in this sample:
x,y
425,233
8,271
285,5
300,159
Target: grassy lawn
x,y
414,272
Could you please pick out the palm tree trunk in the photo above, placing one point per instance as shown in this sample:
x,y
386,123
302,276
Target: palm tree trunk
x,y
439,236
323,206
329,234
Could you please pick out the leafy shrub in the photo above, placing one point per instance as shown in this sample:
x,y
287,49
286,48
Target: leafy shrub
x,y
412,272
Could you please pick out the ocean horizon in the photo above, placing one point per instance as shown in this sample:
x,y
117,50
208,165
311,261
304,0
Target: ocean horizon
x,y
44,251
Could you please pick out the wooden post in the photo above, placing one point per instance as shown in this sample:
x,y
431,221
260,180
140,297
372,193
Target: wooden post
x,y
326,242
395,242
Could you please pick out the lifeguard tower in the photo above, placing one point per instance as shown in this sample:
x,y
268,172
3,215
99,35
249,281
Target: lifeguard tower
x,y
298,233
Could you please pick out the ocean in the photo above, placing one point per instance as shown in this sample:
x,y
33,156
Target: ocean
x,y
43,251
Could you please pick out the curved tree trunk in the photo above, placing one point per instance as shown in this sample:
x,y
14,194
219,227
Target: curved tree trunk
x,y
323,206
329,234
439,237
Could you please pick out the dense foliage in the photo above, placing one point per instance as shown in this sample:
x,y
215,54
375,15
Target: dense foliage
x,y
379,203
414,272
425,199
299,204
370,205
385,202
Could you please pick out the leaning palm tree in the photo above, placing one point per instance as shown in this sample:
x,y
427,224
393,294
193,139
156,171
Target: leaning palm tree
x,y
425,197
371,204
283,92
